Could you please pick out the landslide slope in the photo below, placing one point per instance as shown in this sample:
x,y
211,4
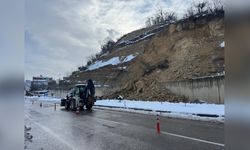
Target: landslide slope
x,y
183,50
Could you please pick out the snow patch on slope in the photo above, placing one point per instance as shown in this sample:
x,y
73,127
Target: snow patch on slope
x,y
113,61
222,44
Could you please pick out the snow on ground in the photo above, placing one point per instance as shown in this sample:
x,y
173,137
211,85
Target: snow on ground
x,y
174,110
142,36
128,58
222,44
136,39
112,61
167,106
43,99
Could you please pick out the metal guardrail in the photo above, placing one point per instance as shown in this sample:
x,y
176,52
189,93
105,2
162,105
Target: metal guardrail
x,y
161,111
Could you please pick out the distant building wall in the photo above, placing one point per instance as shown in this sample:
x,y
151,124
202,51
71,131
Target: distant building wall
x,y
209,89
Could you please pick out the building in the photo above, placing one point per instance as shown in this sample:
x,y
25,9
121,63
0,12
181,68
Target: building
x,y
41,80
40,83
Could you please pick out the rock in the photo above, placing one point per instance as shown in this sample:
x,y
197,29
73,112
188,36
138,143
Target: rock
x,y
172,28
179,27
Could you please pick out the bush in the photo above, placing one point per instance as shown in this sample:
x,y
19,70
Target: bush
x,y
190,14
201,8
204,8
107,47
216,7
161,17
82,68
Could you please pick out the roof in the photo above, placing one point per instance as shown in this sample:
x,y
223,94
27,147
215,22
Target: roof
x,y
80,85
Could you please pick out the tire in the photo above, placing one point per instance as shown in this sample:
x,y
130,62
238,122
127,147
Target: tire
x,y
89,106
67,105
63,102
72,104
81,108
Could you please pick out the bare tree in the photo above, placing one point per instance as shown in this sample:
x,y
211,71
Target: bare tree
x,y
148,22
201,7
170,17
204,8
107,47
216,7
161,17
91,59
190,13
89,62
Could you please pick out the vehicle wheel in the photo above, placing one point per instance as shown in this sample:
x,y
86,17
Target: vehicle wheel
x,y
67,105
72,104
89,106
81,108
63,101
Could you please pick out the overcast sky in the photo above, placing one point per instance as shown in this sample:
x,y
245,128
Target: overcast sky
x,y
61,34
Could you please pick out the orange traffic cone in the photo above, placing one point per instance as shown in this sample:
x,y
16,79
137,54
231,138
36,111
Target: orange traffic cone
x,y
158,124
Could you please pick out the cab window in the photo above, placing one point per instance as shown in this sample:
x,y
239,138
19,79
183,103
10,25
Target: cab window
x,y
76,91
72,92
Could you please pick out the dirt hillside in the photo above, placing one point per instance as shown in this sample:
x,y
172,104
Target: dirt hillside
x,y
182,50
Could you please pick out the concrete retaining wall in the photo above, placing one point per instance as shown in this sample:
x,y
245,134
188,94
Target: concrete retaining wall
x,y
209,89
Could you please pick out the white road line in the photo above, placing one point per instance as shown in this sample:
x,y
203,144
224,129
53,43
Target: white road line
x,y
172,134
70,146
191,138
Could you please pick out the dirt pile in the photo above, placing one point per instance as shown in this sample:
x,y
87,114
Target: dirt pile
x,y
143,91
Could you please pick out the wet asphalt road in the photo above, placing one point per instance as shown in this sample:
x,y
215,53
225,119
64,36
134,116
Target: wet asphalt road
x,y
112,130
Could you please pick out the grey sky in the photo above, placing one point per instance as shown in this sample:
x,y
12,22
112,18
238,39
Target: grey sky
x,y
61,34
